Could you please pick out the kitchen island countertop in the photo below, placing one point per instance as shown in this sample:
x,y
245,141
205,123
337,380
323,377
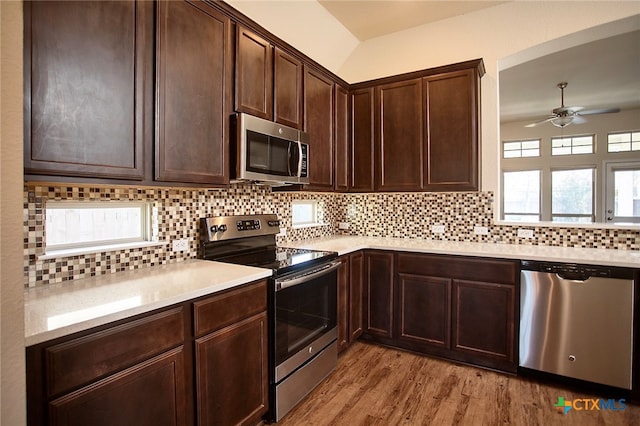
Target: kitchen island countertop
x,y
57,310
591,256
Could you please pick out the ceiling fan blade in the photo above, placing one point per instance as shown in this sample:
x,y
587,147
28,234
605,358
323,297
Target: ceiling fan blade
x,y
578,120
598,111
544,120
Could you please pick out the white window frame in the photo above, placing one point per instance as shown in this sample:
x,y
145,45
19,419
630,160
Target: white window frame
x,y
609,191
592,215
315,213
146,237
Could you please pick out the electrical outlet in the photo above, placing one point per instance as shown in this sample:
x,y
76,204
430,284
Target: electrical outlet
x,y
525,233
181,244
481,230
283,232
437,229
343,225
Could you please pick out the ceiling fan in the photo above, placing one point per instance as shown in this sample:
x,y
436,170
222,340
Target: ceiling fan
x,y
563,116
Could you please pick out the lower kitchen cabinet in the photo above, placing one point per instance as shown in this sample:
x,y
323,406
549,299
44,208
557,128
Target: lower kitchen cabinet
x,y
154,370
231,362
349,300
377,298
455,307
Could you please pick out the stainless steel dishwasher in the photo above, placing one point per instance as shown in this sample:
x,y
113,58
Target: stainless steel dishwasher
x,y
577,321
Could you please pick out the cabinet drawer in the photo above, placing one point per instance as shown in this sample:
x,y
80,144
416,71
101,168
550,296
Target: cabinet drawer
x,y
475,269
88,358
225,309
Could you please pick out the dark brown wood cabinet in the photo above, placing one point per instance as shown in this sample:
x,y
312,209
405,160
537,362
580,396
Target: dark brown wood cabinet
x,y
254,74
318,123
426,121
201,361
193,91
133,373
451,129
399,136
231,356
86,81
459,308
287,87
362,151
378,301
349,299
342,146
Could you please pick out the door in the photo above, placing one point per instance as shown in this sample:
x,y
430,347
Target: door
x,y
85,111
399,136
622,192
451,151
378,294
361,167
342,138
193,60
318,123
254,74
355,295
287,87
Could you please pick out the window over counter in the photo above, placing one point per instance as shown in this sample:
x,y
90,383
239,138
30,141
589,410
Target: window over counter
x,y
91,226
573,178
304,213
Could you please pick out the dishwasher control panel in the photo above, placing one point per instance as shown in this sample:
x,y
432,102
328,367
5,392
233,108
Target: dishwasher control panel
x,y
574,271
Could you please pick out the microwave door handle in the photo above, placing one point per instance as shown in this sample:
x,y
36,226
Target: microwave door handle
x,y
299,174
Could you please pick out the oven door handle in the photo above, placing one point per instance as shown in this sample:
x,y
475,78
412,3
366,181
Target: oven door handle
x,y
281,284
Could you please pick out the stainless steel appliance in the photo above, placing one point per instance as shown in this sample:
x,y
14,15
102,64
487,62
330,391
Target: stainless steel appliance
x,y
302,302
577,321
269,152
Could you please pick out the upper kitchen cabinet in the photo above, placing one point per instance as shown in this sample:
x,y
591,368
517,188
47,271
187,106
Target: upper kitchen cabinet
x,y
87,70
194,72
399,136
451,129
318,123
254,74
342,138
361,170
268,80
287,88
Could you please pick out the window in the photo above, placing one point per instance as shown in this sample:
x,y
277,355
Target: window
x,y
572,145
521,201
518,149
623,141
304,212
623,192
572,195
95,224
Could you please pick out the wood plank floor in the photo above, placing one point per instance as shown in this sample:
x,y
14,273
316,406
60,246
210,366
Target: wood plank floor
x,y
374,385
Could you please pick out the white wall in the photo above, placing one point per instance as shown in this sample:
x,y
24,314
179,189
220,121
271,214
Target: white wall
x,y
12,362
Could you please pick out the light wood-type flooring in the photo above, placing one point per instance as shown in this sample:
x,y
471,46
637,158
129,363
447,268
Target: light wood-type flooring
x,y
375,385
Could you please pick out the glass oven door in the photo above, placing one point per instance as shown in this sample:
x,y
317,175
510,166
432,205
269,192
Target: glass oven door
x,y
305,316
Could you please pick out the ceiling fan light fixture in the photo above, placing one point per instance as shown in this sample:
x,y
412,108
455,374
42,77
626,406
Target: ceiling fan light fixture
x,y
562,121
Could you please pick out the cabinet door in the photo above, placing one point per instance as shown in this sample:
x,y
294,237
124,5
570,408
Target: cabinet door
x,y
378,294
254,74
424,310
451,131
355,295
231,374
399,136
318,123
484,322
362,141
84,109
151,393
193,66
343,304
287,86
342,139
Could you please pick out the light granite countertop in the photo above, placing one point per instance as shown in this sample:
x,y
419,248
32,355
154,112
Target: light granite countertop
x,y
58,310
606,257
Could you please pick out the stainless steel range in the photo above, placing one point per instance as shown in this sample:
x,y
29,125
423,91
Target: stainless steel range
x,y
302,302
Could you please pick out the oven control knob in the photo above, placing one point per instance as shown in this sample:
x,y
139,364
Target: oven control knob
x,y
214,228
273,223
222,228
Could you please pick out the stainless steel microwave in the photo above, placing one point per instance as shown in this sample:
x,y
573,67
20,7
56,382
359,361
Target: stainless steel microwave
x,y
270,153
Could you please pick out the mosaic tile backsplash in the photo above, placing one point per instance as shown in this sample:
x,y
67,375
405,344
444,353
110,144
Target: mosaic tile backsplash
x,y
403,215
